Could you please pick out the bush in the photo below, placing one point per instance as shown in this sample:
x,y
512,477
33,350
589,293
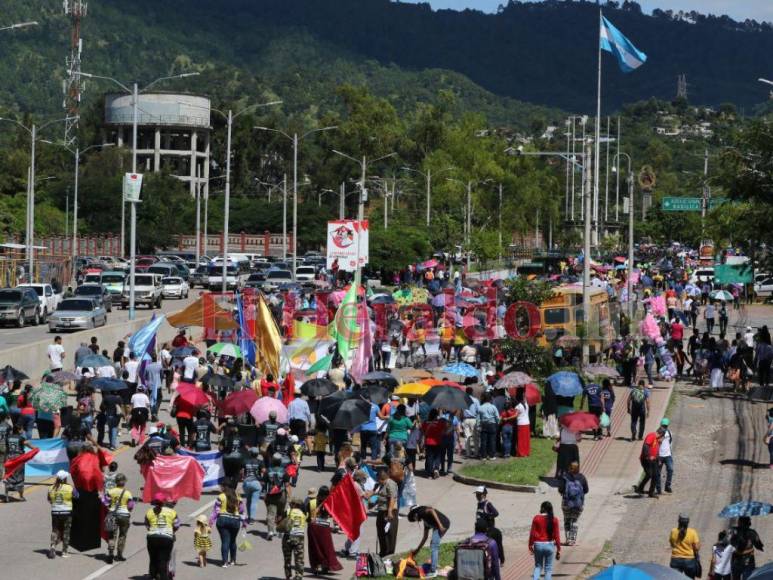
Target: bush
x,y
528,357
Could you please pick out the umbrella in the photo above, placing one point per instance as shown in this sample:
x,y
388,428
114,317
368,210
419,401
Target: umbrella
x,y
763,573
10,374
721,295
218,381
182,351
381,379
377,376
329,405
382,299
225,349
638,571
451,384
94,361
565,384
63,376
376,394
192,395
48,398
568,340
350,414
238,402
461,369
514,379
409,373
746,508
447,398
318,388
579,421
107,385
533,395
263,406
412,390
601,371
694,291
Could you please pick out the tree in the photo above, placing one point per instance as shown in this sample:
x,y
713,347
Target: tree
x,y
394,248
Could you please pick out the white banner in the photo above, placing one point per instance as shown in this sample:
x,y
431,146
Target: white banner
x,y
346,241
132,186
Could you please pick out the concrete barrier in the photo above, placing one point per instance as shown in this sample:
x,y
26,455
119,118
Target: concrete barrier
x,y
33,358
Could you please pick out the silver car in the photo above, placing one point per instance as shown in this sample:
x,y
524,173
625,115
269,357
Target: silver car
x,y
77,313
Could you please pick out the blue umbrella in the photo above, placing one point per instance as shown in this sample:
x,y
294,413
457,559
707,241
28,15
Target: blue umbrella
x,y
94,361
461,369
181,351
638,571
746,508
565,384
763,573
107,385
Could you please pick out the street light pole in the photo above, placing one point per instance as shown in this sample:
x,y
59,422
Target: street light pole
x,y
588,208
227,203
631,206
284,216
198,217
31,248
500,221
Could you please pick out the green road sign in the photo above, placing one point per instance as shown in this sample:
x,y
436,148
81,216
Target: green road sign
x,y
688,203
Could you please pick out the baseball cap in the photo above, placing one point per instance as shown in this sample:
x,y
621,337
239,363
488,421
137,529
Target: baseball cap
x,y
665,422
62,475
395,398
481,489
159,498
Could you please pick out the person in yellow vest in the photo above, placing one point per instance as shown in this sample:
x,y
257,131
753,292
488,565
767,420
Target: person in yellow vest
x,y
120,503
228,516
161,523
60,496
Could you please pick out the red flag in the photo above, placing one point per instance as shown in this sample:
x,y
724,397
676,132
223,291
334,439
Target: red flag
x,y
175,476
13,464
289,388
345,506
86,472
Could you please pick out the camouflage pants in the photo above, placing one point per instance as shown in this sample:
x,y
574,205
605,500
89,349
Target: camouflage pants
x,y
118,535
292,547
60,530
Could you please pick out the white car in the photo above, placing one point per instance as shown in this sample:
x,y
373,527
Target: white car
x,y
305,273
49,300
701,275
764,289
174,287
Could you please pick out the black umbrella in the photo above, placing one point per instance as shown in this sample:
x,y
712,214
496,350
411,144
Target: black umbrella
x,y
318,388
448,398
381,379
218,381
108,385
376,393
327,406
351,414
10,374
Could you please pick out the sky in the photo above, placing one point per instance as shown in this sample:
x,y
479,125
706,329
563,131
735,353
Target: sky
x,y
737,9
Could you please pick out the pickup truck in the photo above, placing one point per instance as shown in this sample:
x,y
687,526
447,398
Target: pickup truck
x,y
147,291
49,300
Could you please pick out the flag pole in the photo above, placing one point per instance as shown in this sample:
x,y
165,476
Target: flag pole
x,y
598,135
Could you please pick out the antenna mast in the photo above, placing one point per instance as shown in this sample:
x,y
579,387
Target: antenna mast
x,y
73,85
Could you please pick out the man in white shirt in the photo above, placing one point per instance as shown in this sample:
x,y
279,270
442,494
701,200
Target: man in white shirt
x,y
665,457
132,367
56,354
165,358
106,372
190,365
749,337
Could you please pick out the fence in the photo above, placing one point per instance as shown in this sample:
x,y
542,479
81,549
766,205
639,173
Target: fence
x,y
265,244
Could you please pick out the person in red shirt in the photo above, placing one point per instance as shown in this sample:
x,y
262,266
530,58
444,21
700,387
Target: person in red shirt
x,y
545,540
507,422
434,429
268,383
180,340
649,461
677,332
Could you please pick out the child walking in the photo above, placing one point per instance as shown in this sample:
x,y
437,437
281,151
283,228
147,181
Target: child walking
x,y
202,541
320,445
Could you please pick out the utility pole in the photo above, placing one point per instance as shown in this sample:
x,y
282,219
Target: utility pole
x,y
500,221
198,217
588,208
617,175
706,194
342,201
284,216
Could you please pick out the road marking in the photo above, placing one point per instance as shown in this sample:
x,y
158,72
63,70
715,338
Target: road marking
x,y
202,509
99,572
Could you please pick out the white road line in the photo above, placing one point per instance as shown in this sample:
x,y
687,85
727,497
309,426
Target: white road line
x,y
99,572
202,509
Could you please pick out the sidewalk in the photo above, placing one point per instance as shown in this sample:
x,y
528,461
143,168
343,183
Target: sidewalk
x,y
612,467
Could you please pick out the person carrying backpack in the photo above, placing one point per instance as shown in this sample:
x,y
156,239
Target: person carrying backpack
x,y
638,409
275,485
488,566
573,488
487,514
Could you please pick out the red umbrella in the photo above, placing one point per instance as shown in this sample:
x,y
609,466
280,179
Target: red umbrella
x,y
192,395
533,394
580,421
450,384
238,402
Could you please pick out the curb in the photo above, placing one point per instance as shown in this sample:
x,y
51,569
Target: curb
x,y
494,484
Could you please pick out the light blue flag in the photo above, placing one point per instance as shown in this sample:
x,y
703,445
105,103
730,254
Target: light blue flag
x,y
141,341
612,40
51,458
212,464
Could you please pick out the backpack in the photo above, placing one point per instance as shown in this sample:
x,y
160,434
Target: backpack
x,y
472,561
370,565
574,495
638,396
5,430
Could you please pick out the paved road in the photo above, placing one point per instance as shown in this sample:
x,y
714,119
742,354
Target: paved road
x,y
13,337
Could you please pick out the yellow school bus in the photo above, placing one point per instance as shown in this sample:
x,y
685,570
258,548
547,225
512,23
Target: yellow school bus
x,y
561,314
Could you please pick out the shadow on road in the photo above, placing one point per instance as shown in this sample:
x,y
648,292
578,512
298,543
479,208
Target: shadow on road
x,y
744,463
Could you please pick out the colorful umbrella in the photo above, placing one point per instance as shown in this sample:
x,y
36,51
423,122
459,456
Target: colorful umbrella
x,y
318,388
461,369
431,382
601,371
763,573
514,379
238,402
533,394
746,508
192,394
48,398
565,384
410,373
412,390
107,385
225,349
638,571
447,398
10,374
263,406
722,295
63,376
579,421
451,384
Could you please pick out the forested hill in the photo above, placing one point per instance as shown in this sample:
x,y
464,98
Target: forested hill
x,y
542,53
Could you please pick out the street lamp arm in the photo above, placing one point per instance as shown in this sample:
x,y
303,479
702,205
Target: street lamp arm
x,y
307,133
27,129
393,154
52,122
349,157
180,76
92,76
273,131
20,25
252,107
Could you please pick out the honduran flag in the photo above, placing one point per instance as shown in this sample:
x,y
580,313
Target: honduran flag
x,y
51,458
212,464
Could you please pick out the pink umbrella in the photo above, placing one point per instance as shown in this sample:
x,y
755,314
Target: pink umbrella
x,y
263,406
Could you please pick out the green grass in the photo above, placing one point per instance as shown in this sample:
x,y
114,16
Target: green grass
x,y
518,471
445,558
671,402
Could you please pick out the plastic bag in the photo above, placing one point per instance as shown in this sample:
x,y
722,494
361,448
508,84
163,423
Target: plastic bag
x,y
604,420
244,543
409,489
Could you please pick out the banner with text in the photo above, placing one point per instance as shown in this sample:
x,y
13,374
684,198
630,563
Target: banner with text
x,y
346,241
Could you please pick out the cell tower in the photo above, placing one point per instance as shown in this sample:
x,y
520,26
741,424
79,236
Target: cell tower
x,y
73,85
681,87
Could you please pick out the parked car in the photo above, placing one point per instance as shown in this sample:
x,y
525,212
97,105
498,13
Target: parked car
x,y
19,306
97,292
305,273
174,287
147,291
702,275
276,277
199,277
764,289
113,281
142,264
255,280
77,313
49,299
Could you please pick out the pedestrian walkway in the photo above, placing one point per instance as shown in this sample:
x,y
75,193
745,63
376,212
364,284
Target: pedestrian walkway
x,y
612,467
